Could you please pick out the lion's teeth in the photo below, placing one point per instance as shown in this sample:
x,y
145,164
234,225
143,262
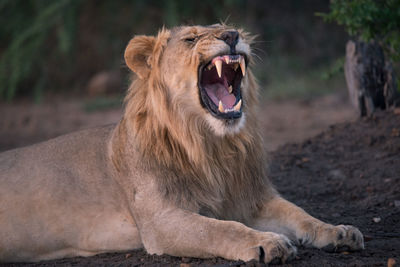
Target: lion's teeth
x,y
218,66
226,60
209,67
243,66
238,105
230,89
221,107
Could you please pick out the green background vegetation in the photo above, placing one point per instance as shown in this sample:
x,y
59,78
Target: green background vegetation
x,y
370,20
53,46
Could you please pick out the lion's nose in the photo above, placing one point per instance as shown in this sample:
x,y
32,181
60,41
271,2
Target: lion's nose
x,y
230,38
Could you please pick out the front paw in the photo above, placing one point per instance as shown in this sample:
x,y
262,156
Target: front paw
x,y
339,238
270,247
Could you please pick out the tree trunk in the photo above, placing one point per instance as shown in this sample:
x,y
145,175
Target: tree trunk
x,y
370,80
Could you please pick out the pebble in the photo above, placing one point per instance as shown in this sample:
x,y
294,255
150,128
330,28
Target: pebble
x,y
397,203
376,219
128,255
337,174
395,132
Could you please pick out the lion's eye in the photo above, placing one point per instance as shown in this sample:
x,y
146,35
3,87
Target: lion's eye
x,y
191,39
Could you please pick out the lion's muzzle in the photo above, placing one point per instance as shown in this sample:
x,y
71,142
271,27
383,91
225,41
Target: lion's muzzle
x,y
220,85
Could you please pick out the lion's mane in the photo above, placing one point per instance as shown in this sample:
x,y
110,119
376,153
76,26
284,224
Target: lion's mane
x,y
222,176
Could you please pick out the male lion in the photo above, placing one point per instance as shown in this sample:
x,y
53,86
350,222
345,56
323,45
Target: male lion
x,y
182,173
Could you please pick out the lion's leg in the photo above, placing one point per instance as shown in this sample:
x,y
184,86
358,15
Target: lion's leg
x,y
181,233
282,216
167,229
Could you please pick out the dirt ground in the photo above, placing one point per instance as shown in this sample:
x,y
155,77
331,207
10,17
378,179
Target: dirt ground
x,y
348,173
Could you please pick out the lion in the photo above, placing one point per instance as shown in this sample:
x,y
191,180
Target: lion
x,y
182,173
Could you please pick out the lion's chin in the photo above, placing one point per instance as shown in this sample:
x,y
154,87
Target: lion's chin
x,y
225,127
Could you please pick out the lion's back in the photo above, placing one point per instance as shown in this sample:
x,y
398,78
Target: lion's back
x,y
77,150
64,166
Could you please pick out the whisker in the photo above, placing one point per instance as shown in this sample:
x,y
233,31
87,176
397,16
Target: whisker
x,y
257,57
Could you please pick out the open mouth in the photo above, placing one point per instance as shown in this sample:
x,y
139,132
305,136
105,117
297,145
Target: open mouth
x,y
219,84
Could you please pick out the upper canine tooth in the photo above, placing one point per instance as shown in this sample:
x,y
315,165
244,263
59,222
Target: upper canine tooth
x,y
221,107
238,105
218,66
243,66
230,89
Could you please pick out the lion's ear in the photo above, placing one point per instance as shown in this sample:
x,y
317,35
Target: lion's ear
x,y
138,55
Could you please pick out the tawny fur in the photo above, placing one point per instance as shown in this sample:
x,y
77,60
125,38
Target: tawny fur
x,y
168,177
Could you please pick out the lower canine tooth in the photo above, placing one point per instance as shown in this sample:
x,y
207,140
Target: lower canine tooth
x,y
238,105
235,66
218,66
230,89
221,107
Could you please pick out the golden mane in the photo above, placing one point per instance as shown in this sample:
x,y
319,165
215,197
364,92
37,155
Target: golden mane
x,y
196,167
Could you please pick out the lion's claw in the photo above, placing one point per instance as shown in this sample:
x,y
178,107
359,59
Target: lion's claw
x,y
274,248
340,238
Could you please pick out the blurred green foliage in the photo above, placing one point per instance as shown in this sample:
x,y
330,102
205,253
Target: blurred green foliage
x,y
59,45
370,20
25,27
336,67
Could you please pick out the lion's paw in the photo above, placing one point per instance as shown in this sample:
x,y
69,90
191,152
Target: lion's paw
x,y
274,248
341,238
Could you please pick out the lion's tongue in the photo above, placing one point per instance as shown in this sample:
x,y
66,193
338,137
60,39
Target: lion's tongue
x,y
217,92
